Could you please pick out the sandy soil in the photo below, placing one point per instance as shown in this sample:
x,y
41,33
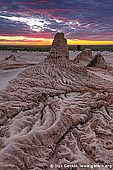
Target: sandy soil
x,y
55,113
36,57
30,57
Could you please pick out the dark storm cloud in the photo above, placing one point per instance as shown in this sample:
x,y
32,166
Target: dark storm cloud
x,y
91,19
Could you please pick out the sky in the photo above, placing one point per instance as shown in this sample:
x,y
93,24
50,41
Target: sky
x,y
35,22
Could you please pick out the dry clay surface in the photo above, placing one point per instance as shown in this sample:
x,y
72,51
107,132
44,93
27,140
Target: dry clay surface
x,y
56,113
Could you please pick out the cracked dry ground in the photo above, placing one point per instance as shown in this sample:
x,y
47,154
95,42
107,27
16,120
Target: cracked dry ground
x,y
57,113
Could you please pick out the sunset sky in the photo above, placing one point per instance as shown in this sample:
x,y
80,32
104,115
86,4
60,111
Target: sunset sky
x,y
35,22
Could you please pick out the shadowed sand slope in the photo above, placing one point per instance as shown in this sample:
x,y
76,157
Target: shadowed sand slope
x,y
83,58
98,61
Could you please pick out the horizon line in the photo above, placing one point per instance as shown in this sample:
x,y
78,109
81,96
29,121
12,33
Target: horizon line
x,y
22,40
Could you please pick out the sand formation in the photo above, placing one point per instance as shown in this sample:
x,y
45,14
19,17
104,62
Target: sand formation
x,y
84,57
59,55
54,114
59,47
98,61
11,58
11,62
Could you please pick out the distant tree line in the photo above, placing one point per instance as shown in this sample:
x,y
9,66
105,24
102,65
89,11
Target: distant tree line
x,y
46,48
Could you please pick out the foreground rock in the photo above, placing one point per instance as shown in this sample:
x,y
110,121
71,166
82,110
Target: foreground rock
x,y
55,113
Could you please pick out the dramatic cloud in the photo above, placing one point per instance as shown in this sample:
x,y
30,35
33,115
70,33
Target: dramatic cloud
x,y
79,19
